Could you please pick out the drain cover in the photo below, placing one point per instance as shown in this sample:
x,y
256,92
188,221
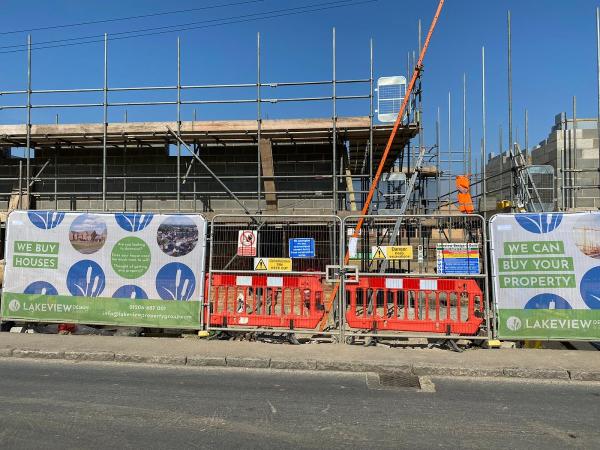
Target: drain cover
x,y
399,380
393,380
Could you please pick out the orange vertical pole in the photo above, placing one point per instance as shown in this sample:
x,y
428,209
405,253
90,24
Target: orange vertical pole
x,y
388,147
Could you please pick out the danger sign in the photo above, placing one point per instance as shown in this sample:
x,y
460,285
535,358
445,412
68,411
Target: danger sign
x,y
246,243
392,252
273,264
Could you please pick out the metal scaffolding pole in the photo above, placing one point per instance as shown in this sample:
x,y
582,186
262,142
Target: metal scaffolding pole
x,y
526,133
483,130
420,140
573,162
19,203
178,124
469,156
56,177
105,128
371,113
437,162
449,145
598,80
258,125
28,164
56,150
563,172
334,120
510,126
125,169
465,164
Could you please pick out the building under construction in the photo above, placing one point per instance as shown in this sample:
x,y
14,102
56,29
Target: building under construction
x,y
562,170
305,165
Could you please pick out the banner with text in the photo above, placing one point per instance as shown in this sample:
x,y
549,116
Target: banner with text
x,y
127,269
546,275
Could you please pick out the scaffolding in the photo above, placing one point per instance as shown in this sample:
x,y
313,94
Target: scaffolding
x,y
98,167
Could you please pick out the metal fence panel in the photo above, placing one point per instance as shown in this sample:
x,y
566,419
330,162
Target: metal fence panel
x,y
424,274
266,274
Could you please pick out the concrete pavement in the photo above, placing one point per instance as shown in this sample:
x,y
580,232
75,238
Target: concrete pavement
x,y
513,363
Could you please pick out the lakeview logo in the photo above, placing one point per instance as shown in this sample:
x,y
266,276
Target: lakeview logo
x,y
14,305
513,323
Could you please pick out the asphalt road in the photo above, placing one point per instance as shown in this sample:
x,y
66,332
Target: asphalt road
x,y
63,405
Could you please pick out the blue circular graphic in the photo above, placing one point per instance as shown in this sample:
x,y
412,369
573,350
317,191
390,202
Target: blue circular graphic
x,y
131,291
589,287
85,279
539,223
547,301
175,281
40,287
46,220
133,221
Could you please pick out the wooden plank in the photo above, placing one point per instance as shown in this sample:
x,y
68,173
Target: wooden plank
x,y
268,171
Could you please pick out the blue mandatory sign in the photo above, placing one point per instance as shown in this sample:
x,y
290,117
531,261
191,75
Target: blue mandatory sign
x,y
302,248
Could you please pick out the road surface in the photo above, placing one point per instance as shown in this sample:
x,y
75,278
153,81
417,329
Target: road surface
x,y
62,405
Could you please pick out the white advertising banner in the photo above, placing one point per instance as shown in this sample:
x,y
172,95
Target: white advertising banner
x,y
136,269
546,275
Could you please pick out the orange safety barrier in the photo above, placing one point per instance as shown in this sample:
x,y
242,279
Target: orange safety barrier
x,y
449,306
266,301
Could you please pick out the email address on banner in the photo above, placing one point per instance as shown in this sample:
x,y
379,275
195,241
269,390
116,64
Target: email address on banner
x,y
115,314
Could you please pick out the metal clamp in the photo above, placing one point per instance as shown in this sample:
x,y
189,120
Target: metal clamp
x,y
334,273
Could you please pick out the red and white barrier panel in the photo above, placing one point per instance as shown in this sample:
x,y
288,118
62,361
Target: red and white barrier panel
x,y
288,302
445,306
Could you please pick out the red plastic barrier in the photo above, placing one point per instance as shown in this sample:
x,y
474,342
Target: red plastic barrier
x,y
445,306
266,301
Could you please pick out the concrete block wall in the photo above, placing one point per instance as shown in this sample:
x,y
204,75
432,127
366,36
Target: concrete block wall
x,y
583,145
152,172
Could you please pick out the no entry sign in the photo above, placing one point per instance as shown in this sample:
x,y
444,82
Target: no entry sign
x,y
246,243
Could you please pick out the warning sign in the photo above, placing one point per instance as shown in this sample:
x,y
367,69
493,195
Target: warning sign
x,y
458,258
379,253
273,264
260,265
392,252
246,243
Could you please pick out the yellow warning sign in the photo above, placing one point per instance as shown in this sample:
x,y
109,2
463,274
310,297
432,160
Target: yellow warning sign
x,y
260,265
379,254
273,264
392,252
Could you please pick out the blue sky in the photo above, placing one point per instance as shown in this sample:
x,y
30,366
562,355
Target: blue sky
x,y
554,58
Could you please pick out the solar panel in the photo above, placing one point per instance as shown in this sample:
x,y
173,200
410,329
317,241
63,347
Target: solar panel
x,y
390,94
